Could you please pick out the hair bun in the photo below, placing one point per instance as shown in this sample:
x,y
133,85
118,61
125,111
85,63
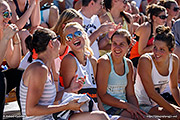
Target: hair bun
x,y
162,30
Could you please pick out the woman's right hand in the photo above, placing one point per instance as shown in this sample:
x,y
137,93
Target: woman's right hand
x,y
135,112
77,84
74,105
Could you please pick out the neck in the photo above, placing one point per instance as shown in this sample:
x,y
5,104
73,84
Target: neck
x,y
86,12
81,57
47,59
115,13
117,60
169,18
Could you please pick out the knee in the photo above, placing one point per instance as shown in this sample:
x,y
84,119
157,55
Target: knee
x,y
54,10
100,115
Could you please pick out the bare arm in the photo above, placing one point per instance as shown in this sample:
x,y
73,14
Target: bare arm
x,y
68,70
103,71
145,65
13,53
173,82
37,78
130,95
7,50
35,16
20,22
144,33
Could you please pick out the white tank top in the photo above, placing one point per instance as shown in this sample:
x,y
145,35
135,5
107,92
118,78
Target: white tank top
x,y
47,98
159,81
89,86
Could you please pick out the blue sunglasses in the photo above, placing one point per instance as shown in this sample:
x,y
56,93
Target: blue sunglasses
x,y
7,14
69,37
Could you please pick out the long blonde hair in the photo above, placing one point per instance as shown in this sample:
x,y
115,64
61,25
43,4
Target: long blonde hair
x,y
88,49
66,16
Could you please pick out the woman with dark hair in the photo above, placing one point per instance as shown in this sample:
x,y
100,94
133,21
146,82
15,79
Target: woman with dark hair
x,y
115,83
116,14
37,87
10,51
155,71
145,33
172,10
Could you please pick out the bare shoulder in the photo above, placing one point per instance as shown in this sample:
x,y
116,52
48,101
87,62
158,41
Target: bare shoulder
x,y
175,58
68,58
144,28
145,60
37,68
93,60
104,62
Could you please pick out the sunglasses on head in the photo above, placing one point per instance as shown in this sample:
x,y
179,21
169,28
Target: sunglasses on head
x,y
57,37
176,9
7,14
163,17
69,37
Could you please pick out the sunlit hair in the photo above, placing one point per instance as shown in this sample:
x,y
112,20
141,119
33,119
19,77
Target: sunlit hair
x,y
123,33
164,34
154,10
88,49
66,16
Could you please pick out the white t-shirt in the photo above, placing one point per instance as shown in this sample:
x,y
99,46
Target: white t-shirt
x,y
90,25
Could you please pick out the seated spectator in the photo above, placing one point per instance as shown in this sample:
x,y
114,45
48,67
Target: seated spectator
x,y
49,13
116,14
155,71
37,88
26,15
115,79
68,15
93,26
10,50
80,60
145,33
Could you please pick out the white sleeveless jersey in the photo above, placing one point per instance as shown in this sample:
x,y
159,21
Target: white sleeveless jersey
x,y
159,81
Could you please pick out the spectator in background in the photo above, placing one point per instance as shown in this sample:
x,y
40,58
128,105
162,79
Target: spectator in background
x,y
172,10
26,15
49,13
91,23
10,50
145,33
116,14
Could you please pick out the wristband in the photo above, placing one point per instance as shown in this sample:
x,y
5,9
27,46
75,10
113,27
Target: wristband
x,y
16,43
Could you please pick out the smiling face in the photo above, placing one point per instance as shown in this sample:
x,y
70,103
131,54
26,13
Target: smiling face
x,y
161,51
75,41
5,15
161,18
119,46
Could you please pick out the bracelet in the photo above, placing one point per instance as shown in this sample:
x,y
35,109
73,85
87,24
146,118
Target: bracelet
x,y
16,43
108,37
